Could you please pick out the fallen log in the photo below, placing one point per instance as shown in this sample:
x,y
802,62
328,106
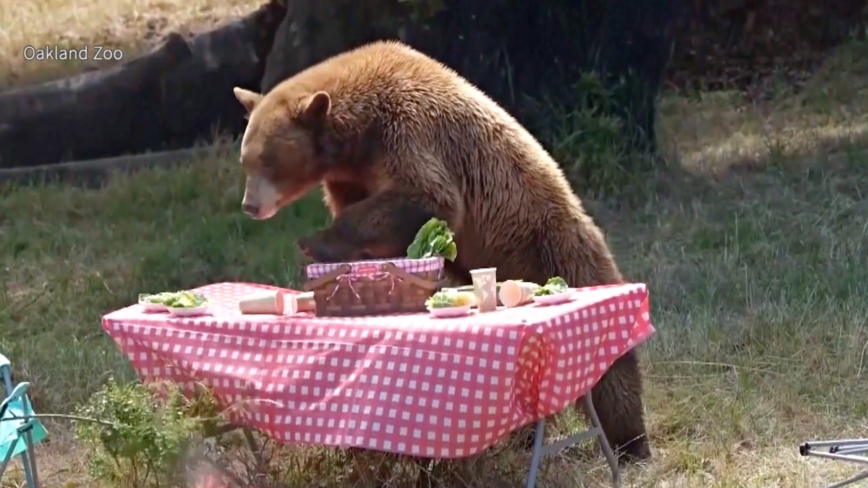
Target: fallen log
x,y
96,173
172,97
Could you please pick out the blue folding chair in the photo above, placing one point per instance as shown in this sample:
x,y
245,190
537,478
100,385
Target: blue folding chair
x,y
20,431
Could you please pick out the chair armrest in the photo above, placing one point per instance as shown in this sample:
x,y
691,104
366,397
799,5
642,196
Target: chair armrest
x,y
17,394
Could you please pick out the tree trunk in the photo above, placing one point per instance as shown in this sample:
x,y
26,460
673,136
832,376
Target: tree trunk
x,y
314,30
521,53
171,97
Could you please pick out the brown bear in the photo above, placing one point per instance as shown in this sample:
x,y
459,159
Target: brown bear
x,y
395,138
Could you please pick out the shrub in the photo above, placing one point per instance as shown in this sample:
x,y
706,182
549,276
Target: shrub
x,y
140,434
593,148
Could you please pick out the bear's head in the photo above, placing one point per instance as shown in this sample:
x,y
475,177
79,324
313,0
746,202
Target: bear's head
x,y
281,151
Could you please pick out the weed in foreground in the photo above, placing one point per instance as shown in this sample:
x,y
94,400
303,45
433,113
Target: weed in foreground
x,y
134,440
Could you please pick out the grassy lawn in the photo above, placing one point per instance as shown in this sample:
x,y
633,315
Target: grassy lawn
x,y
758,275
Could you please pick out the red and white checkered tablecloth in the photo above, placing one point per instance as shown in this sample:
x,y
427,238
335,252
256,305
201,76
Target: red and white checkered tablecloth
x,y
407,384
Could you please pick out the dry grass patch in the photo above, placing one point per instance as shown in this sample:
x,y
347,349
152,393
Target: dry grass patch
x,y
128,25
710,131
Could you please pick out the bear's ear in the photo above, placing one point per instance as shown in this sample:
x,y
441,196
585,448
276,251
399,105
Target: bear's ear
x,y
247,98
315,108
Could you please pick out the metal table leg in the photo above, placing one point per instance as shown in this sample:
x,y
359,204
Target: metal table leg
x,y
849,481
537,453
541,449
597,428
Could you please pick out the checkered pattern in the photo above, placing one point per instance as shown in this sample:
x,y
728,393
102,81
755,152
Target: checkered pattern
x,y
407,384
373,266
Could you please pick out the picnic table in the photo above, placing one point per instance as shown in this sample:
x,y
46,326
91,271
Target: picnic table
x,y
404,384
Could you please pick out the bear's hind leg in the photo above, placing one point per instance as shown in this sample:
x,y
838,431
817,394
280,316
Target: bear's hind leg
x,y
618,402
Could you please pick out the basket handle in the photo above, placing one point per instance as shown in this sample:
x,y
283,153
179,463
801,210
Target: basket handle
x,y
400,273
330,276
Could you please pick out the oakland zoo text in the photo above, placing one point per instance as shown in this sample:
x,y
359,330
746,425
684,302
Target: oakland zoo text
x,y
59,53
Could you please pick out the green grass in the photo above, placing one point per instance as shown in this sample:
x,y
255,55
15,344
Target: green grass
x,y
759,298
758,279
70,255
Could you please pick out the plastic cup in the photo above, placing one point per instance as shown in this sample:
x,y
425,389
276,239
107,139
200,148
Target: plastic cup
x,y
516,293
264,302
485,288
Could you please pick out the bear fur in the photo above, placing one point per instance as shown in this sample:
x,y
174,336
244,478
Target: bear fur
x,y
396,138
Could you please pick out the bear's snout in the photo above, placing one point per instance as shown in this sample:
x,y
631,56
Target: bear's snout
x,y
261,198
250,209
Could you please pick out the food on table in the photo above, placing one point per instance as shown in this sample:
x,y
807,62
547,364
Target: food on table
x,y
155,298
553,286
449,299
302,302
263,302
433,239
515,292
176,299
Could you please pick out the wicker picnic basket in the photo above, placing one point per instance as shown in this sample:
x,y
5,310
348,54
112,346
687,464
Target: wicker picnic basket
x,y
373,287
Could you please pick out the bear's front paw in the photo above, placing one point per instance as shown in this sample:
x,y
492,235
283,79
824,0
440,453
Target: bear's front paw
x,y
319,250
307,245
305,251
